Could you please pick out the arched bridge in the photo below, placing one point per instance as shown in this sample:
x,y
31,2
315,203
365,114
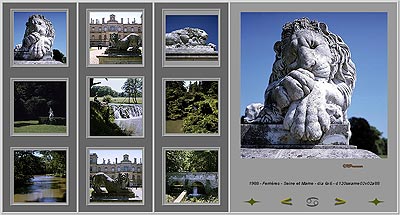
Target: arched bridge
x,y
188,180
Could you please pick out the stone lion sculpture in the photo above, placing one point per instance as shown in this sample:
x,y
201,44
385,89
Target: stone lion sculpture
x,y
38,40
186,37
118,185
131,42
312,81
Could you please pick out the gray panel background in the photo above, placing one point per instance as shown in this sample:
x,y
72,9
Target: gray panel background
x,y
29,141
245,170
192,141
145,142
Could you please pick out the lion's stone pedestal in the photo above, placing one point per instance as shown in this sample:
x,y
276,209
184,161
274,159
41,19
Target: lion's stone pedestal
x,y
119,59
37,62
196,53
272,141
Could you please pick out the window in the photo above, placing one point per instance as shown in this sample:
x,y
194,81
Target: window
x,y
119,169
92,39
99,169
125,29
99,37
112,169
105,169
126,169
99,29
132,30
105,37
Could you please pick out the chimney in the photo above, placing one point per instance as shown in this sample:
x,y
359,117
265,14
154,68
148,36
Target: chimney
x,y
97,21
122,20
102,21
134,160
140,160
116,160
128,21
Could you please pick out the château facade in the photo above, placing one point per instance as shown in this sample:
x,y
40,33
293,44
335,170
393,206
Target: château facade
x,y
100,32
134,169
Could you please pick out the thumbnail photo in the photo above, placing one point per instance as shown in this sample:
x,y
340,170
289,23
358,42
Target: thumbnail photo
x,y
116,106
40,38
191,107
191,176
39,107
115,175
311,102
115,37
39,176
191,37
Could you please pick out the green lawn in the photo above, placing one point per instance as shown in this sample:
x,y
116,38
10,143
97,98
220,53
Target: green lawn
x,y
32,126
120,100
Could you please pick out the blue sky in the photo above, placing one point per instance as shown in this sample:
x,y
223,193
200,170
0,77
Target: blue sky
x,y
58,19
364,32
209,23
117,153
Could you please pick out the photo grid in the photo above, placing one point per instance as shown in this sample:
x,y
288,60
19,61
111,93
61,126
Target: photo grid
x,y
191,74
325,105
115,112
39,90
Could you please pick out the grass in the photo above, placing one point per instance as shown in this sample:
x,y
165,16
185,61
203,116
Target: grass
x,y
120,100
32,126
174,126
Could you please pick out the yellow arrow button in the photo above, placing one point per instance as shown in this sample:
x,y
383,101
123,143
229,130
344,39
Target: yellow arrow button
x,y
287,201
339,201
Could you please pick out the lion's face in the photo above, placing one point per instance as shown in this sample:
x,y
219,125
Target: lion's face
x,y
308,50
38,25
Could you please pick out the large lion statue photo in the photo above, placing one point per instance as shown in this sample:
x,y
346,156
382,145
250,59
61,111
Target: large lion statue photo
x,y
38,40
311,84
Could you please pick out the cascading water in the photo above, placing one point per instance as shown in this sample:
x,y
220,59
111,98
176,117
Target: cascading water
x,y
129,117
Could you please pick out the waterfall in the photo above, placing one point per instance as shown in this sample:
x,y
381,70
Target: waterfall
x,y
126,111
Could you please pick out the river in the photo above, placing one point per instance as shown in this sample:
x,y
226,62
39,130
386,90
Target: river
x,y
43,189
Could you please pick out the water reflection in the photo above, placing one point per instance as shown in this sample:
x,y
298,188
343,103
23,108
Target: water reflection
x,y
43,189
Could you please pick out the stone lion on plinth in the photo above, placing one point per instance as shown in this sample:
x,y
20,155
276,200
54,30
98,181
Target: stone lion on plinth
x,y
38,40
186,36
311,84
131,42
118,185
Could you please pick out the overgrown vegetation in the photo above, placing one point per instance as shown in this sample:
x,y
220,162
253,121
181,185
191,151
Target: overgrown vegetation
x,y
367,137
192,161
28,163
33,99
194,102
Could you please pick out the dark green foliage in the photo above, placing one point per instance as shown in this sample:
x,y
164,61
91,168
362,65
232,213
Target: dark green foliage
x,y
367,137
196,104
28,163
101,121
107,99
202,117
59,56
192,161
101,91
133,88
33,99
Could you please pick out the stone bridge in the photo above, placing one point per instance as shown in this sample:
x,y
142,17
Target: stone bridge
x,y
205,181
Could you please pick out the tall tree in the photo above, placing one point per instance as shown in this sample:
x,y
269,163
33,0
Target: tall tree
x,y
133,87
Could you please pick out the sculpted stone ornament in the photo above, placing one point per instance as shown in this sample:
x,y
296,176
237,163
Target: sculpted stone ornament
x,y
311,84
127,45
115,188
192,40
38,40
